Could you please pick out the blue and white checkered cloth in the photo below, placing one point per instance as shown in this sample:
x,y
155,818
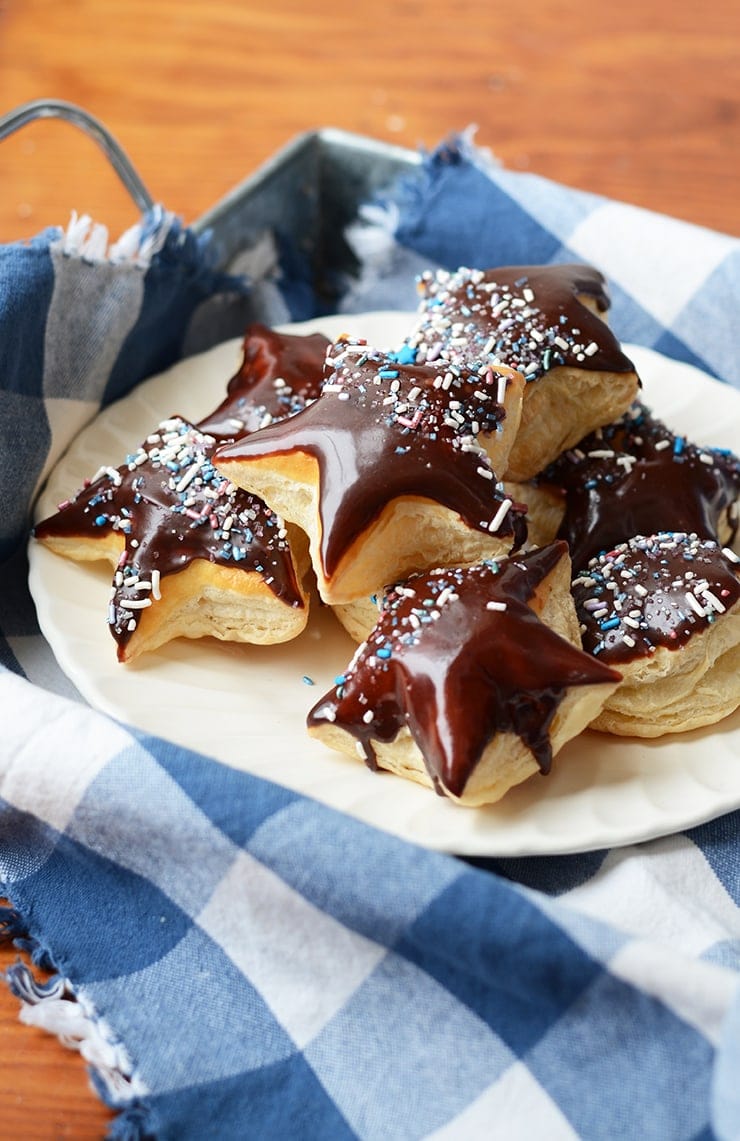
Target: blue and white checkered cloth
x,y
245,963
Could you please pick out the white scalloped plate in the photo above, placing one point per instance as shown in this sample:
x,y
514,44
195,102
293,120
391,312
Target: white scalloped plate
x,y
246,706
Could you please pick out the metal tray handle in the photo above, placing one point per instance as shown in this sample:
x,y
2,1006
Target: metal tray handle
x,y
59,109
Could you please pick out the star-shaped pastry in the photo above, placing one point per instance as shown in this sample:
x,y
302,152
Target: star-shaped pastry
x,y
549,323
472,678
280,373
193,555
636,477
393,468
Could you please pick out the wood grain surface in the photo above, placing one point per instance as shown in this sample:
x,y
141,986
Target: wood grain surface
x,y
638,100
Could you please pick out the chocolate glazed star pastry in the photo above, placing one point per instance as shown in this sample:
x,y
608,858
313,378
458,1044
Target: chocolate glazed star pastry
x,y
636,477
472,679
549,323
664,610
280,373
193,555
393,469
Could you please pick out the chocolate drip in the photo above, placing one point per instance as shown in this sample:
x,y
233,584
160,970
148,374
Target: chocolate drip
x,y
458,656
635,477
280,373
531,318
653,591
171,506
381,430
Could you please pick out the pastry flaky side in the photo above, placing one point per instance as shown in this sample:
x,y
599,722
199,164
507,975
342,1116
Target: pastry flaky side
x,y
514,749
565,405
550,323
673,633
393,469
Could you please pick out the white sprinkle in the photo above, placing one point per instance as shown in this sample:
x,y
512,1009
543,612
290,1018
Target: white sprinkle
x,y
601,454
414,393
641,590
496,606
730,554
713,601
631,622
485,472
695,605
156,575
136,603
368,716
561,343
500,515
189,476
628,640
662,445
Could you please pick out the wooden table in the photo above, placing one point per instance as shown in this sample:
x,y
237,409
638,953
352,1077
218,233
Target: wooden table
x,y
638,101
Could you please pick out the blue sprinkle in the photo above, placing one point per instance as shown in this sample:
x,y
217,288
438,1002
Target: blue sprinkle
x,y
340,679
307,680
610,624
406,355
678,444
101,520
388,373
383,652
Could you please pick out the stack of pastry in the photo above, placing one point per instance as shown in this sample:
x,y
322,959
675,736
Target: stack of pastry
x,y
519,548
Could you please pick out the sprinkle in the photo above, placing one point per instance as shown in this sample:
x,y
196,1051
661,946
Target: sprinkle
x,y
368,716
662,445
156,593
189,476
492,605
136,603
610,624
307,680
695,605
500,515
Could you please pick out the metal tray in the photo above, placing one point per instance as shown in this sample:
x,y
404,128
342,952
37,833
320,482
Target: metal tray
x,y
305,196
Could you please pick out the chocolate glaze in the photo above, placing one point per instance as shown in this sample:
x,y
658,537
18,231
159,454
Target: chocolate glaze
x,y
635,477
280,373
171,506
381,430
653,591
456,672
531,318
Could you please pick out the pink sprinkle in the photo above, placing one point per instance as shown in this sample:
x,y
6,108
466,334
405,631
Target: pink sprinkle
x,y
413,423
